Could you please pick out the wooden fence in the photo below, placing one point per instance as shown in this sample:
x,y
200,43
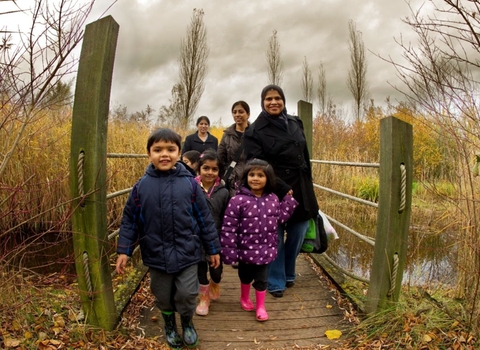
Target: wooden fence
x,y
88,181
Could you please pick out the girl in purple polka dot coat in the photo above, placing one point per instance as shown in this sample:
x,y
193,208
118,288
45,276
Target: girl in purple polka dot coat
x,y
249,231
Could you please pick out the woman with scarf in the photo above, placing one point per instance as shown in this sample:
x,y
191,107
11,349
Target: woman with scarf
x,y
278,138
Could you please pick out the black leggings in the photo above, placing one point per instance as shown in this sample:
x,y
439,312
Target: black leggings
x,y
215,274
256,273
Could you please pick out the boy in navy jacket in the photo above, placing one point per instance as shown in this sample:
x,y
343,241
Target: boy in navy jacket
x,y
168,215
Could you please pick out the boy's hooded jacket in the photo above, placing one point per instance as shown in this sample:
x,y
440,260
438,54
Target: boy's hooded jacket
x,y
163,220
249,230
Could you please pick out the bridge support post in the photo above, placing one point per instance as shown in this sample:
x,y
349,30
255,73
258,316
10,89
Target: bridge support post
x,y
393,220
305,114
88,171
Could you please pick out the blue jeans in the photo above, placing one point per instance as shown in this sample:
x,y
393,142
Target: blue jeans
x,y
282,269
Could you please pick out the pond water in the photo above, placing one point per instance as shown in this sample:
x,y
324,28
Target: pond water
x,y
430,257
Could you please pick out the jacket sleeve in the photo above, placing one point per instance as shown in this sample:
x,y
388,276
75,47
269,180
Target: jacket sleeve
x,y
286,208
215,143
229,233
129,228
222,152
187,146
208,230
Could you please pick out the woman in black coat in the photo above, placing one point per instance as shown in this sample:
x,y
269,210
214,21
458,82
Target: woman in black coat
x,y
201,140
278,138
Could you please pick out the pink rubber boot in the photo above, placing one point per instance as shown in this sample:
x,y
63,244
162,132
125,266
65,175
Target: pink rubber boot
x,y
203,300
261,312
245,301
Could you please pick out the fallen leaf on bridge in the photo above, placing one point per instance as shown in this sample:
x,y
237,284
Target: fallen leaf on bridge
x,y
333,334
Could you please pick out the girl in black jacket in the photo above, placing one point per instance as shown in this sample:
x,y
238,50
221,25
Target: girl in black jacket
x,y
217,195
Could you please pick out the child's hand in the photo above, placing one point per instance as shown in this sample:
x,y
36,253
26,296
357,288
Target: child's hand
x,y
290,192
121,263
215,260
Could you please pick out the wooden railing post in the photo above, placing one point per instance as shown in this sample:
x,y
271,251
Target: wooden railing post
x,y
305,114
88,171
396,164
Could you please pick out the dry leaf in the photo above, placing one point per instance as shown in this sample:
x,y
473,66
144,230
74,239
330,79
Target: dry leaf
x,y
27,335
16,326
333,334
58,321
11,343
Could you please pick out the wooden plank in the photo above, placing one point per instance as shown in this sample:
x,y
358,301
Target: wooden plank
x,y
300,318
88,171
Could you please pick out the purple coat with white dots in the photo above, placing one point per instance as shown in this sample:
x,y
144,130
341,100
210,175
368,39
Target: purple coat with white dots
x,y
249,230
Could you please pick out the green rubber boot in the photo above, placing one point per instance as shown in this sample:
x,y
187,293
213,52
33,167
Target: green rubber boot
x,y
190,337
174,340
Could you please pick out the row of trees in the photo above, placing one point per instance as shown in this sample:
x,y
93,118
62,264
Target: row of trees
x,y
357,74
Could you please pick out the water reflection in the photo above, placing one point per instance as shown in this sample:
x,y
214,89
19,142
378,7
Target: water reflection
x,y
430,257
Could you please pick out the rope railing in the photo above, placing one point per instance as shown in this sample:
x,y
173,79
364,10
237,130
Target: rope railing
x,y
344,271
126,155
356,234
344,195
333,162
119,193
360,236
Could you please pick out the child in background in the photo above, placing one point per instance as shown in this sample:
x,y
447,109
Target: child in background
x,y
167,214
217,195
249,231
191,159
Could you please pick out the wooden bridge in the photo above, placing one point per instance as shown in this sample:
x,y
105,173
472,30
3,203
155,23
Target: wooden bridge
x,y
298,320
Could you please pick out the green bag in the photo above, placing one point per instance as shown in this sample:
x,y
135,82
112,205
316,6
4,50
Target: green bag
x,y
315,240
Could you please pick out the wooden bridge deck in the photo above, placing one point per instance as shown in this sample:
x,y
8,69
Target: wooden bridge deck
x,y
298,320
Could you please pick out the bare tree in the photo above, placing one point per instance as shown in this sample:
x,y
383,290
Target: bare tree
x,y
356,81
441,80
172,114
33,64
194,54
274,60
322,88
307,81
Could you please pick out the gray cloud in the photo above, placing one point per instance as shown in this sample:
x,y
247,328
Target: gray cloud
x,y
238,32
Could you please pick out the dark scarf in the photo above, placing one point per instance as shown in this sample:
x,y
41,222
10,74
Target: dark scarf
x,y
280,120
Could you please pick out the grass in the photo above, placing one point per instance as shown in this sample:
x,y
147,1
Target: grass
x,y
43,311
418,321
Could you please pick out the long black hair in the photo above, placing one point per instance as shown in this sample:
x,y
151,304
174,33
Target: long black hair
x,y
264,166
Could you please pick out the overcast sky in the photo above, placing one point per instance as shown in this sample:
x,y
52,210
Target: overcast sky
x,y
238,31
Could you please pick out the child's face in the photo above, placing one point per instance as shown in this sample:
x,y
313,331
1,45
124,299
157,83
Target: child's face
x,y
164,155
189,163
256,181
209,172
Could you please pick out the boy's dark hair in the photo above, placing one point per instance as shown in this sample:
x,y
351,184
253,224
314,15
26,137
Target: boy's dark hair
x,y
164,134
192,156
266,168
210,154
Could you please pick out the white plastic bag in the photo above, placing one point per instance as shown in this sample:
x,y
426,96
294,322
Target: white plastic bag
x,y
331,233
